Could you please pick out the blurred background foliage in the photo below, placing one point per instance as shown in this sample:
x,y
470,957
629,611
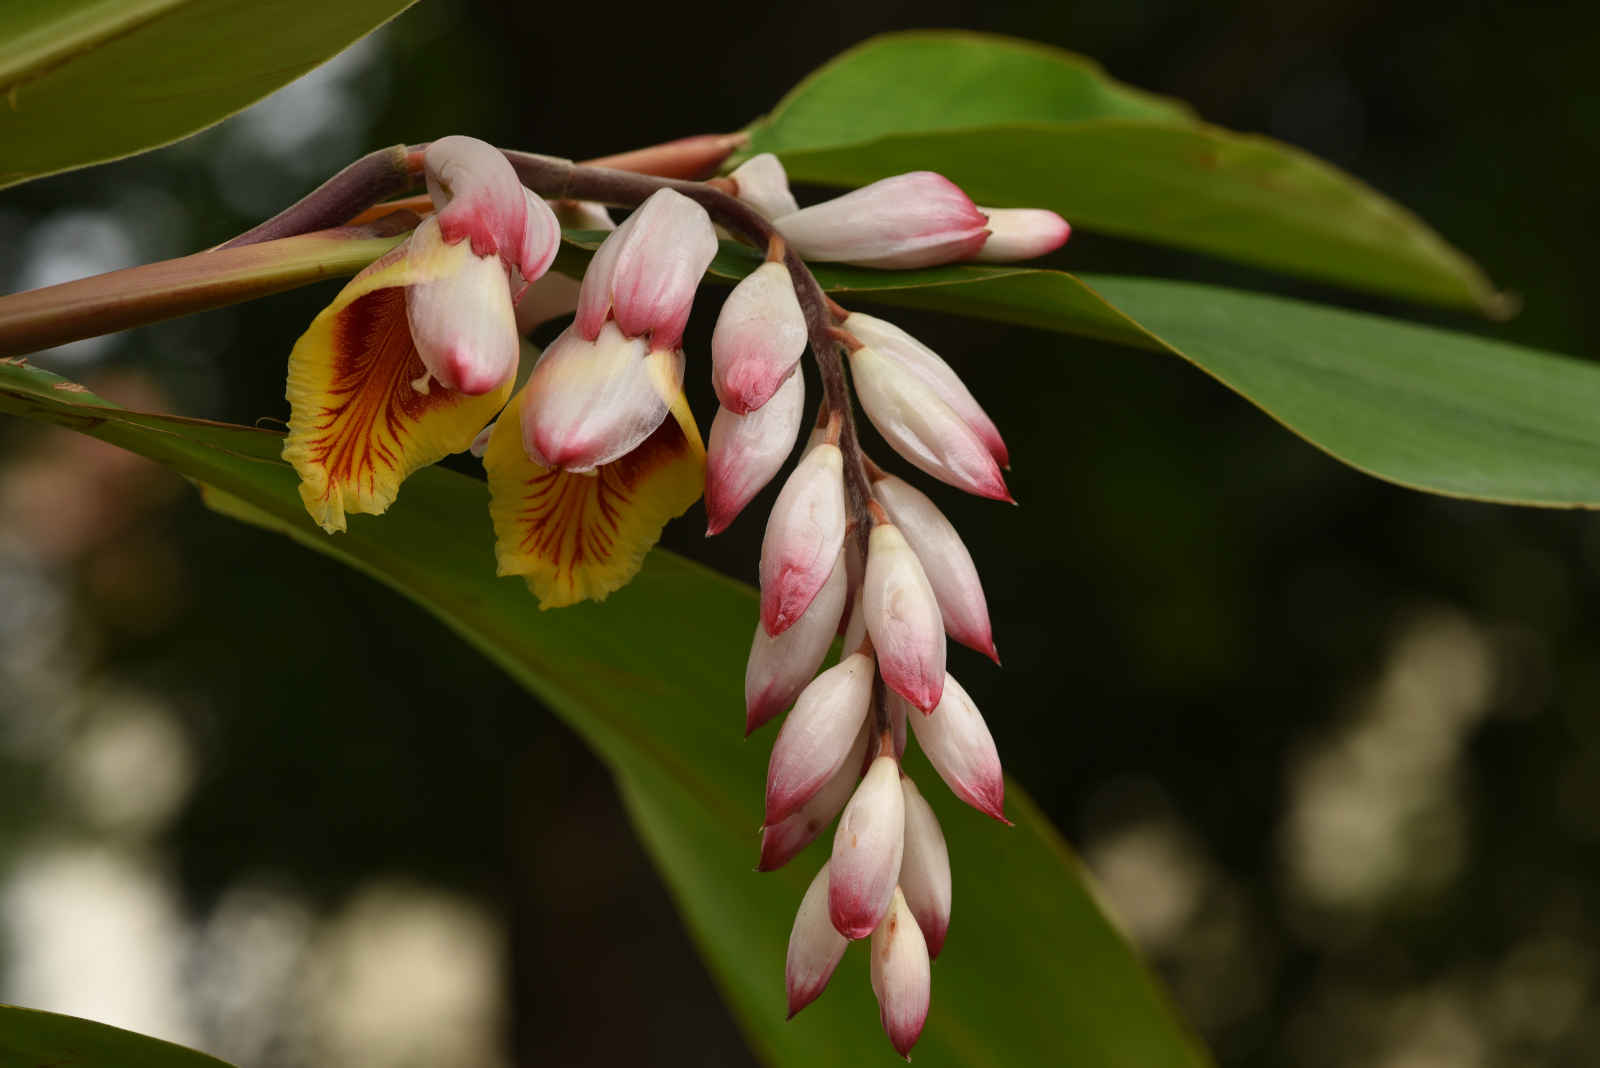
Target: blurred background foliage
x,y
1332,747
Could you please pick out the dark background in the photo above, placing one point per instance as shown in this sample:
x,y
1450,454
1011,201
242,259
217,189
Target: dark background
x,y
1188,600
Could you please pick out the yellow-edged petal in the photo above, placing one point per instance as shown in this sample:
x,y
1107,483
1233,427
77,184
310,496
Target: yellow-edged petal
x,y
576,537
362,415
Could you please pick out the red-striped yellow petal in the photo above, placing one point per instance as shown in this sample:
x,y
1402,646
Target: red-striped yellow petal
x,y
363,412
576,537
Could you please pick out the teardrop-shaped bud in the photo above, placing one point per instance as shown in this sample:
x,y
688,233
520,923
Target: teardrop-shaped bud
x,y
931,370
815,948
902,616
901,976
478,197
645,273
804,533
866,851
944,560
779,668
783,841
760,336
1022,234
925,868
591,402
911,220
763,184
922,428
458,307
747,450
957,743
817,735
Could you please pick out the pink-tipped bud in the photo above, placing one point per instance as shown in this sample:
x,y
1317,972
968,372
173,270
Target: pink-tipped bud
x,y
902,616
957,743
817,736
929,369
803,537
763,184
925,868
591,402
1022,234
458,305
922,428
783,841
745,451
901,975
478,197
815,948
911,220
866,851
944,560
780,667
645,273
759,339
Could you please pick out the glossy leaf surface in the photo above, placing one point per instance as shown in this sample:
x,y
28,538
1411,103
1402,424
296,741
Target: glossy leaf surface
x,y
93,80
1017,124
29,1038
1434,410
1032,972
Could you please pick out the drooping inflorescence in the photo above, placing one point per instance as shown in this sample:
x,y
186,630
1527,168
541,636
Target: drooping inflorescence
x,y
419,356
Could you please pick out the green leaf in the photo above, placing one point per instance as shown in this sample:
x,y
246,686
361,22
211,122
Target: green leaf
x,y
29,1038
1017,124
93,80
1032,972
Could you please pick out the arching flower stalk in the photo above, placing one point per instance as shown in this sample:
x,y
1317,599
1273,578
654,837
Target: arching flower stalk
x,y
418,358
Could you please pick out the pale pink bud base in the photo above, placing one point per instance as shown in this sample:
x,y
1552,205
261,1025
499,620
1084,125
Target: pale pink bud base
x,y
816,738
815,948
867,848
901,976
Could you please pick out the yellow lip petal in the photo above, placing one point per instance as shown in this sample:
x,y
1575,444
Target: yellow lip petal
x,y
576,537
362,414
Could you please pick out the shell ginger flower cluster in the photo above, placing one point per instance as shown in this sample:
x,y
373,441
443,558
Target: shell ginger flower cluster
x,y
420,357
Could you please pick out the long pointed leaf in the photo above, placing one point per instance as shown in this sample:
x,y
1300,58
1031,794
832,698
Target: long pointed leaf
x,y
93,80
1032,972
1017,124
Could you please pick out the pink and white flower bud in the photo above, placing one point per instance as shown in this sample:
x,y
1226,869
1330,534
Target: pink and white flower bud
x,y
759,339
944,560
478,196
922,428
911,220
929,369
783,841
745,451
817,736
815,948
1022,234
459,309
902,616
866,851
901,976
957,743
764,185
645,273
925,868
804,533
780,667
591,402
